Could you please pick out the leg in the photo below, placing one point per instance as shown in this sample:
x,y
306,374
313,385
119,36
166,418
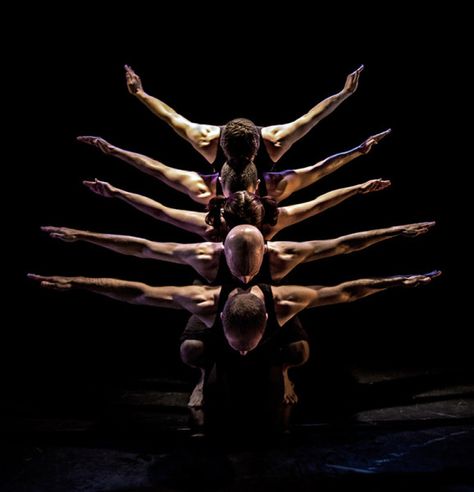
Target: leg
x,y
192,354
295,354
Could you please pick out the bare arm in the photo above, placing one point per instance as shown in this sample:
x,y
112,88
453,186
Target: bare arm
x,y
291,299
286,255
197,299
203,257
279,138
296,213
185,219
204,138
281,185
200,188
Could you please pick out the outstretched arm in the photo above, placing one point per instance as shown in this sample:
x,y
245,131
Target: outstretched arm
x,y
279,138
204,138
200,188
296,213
281,185
288,254
197,299
203,257
185,219
291,299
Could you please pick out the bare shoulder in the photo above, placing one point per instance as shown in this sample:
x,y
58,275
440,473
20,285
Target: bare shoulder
x,y
205,135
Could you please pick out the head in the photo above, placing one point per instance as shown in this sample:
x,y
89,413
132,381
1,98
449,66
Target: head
x,y
244,248
244,318
239,178
239,208
240,140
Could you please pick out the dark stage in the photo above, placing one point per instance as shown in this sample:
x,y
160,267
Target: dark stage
x,y
93,390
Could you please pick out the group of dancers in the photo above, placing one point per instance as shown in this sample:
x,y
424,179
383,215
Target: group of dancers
x,y
244,333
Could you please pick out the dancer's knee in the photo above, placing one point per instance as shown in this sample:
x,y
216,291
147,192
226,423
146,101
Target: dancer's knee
x,y
192,352
296,353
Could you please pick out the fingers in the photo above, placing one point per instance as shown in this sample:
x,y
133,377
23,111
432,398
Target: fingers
x,y
379,184
49,229
34,276
434,274
381,135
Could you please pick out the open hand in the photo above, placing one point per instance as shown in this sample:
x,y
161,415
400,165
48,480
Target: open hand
x,y
134,84
416,280
101,188
417,229
375,185
352,81
366,146
63,233
98,142
57,283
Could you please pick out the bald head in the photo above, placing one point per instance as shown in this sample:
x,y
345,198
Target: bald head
x,y
244,248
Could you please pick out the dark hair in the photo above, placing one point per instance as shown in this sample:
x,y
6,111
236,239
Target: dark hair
x,y
239,208
238,179
240,140
244,314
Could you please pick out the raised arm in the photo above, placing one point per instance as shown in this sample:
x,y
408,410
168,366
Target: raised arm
x,y
204,138
281,185
293,214
279,138
200,188
291,299
197,299
185,219
286,255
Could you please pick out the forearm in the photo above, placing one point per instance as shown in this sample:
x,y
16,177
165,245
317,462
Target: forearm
x,y
121,290
323,109
157,107
185,219
357,289
327,166
361,240
297,179
126,245
296,213
351,291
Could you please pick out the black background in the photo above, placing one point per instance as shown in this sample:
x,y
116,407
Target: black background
x,y
70,81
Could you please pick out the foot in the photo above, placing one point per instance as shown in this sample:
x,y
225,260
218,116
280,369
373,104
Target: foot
x,y
196,399
289,396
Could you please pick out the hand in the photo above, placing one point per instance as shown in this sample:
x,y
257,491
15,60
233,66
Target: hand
x,y
98,142
352,81
414,230
134,84
63,233
375,185
366,146
101,188
416,280
56,283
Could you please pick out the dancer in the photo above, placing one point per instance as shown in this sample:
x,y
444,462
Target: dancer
x,y
239,208
239,321
240,139
244,256
202,188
